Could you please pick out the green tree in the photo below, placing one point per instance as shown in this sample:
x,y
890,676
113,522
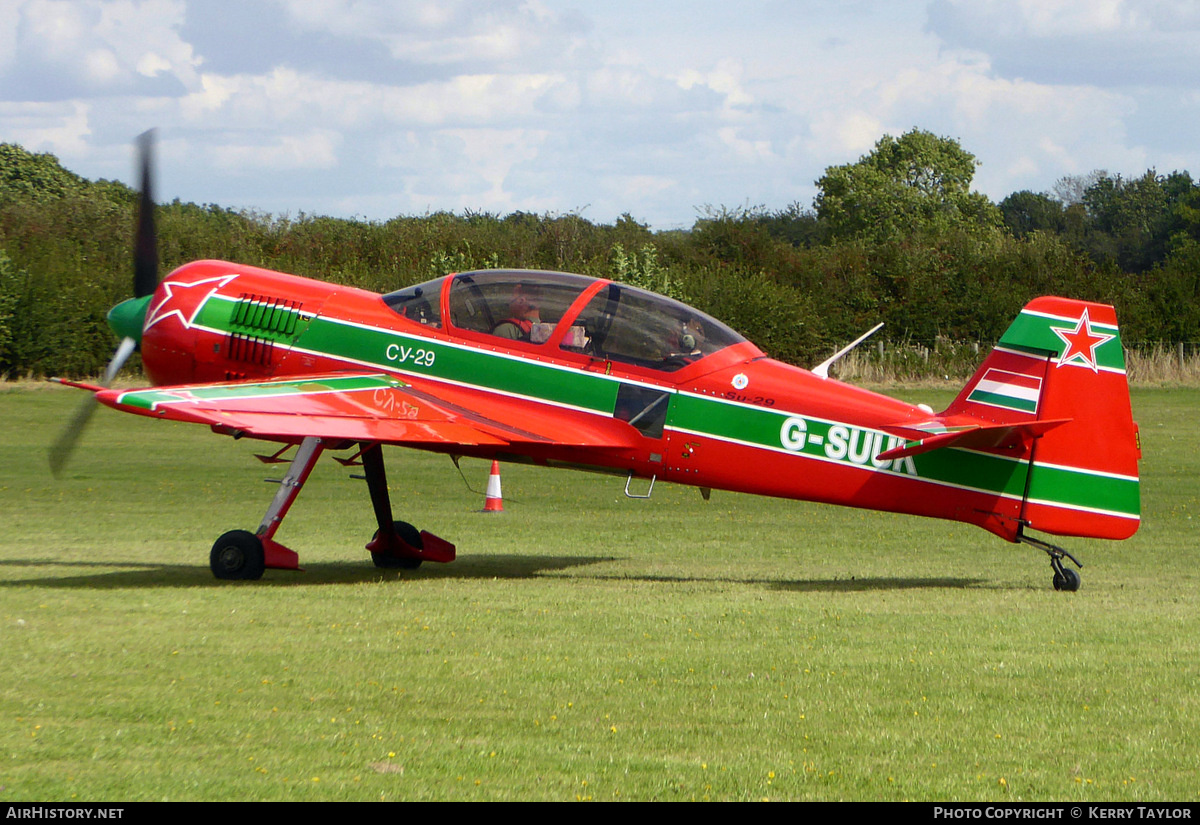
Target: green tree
x,y
1069,190
795,224
1129,218
1173,290
1025,212
9,295
24,174
916,184
1136,223
1183,225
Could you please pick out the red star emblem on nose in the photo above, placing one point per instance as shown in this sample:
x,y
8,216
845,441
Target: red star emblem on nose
x,y
184,300
1081,343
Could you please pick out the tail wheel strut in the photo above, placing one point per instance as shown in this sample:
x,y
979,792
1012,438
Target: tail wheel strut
x,y
1064,577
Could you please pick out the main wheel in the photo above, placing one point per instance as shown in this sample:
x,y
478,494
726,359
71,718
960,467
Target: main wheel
x,y
409,535
237,554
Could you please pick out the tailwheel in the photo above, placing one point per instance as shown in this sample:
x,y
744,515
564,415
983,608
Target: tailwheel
x,y
1065,578
237,554
387,560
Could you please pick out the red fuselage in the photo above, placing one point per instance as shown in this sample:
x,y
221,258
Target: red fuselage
x,y
712,415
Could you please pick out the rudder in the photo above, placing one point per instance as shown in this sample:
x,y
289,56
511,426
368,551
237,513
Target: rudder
x,y
1062,359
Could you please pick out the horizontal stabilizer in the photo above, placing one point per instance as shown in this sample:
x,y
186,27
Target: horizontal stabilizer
x,y
976,437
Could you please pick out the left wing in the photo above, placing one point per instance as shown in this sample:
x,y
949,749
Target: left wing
x,y
358,407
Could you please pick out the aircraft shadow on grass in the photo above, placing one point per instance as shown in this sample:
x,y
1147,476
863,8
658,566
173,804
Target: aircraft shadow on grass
x,y
148,574
151,575
854,584
832,585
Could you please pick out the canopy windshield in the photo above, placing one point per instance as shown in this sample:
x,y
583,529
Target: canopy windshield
x,y
619,322
421,303
627,324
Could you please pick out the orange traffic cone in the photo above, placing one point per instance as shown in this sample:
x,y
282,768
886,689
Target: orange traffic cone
x,y
495,501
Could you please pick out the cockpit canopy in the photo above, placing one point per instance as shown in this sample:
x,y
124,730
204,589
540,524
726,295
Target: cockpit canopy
x,y
568,313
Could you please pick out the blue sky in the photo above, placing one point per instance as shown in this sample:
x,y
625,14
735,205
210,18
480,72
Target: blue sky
x,y
660,109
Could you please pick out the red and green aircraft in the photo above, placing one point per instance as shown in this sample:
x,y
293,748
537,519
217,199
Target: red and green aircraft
x,y
564,370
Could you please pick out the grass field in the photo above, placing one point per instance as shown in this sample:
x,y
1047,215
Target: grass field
x,y
584,645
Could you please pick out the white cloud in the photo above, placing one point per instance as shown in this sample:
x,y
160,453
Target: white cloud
x,y
286,96
849,134
650,109
316,149
756,151
1048,19
101,67
59,128
1107,43
447,32
88,46
1007,123
725,79
640,187
10,17
151,64
212,94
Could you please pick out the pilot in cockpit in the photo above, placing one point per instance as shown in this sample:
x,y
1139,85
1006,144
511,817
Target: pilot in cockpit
x,y
691,337
524,313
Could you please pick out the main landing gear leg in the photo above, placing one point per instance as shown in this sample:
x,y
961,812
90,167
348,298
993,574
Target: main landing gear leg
x,y
1064,577
240,554
396,544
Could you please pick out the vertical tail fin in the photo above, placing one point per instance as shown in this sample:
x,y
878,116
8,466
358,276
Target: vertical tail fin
x,y
1062,359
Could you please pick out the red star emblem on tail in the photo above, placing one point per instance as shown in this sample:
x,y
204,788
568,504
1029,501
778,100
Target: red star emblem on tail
x,y
1081,342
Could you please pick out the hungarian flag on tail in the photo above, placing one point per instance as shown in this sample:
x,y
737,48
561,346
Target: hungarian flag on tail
x,y
1013,391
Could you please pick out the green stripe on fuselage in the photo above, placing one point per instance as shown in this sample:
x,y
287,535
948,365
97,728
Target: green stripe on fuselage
x,y
757,426
218,313
843,443
462,365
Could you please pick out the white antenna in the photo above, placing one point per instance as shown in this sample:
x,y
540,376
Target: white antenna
x,y
822,369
